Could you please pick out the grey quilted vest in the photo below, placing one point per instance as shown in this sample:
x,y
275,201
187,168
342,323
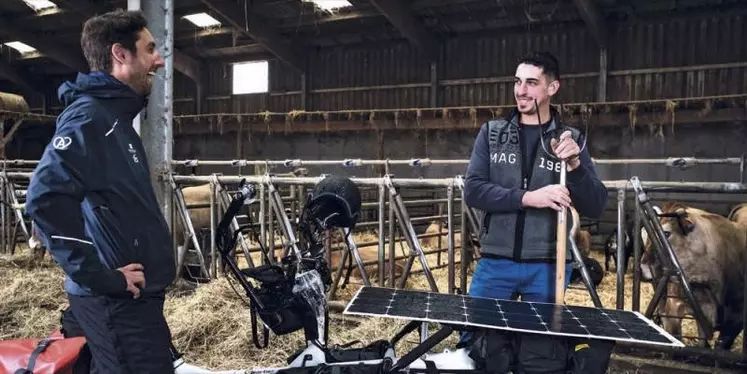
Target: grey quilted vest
x,y
528,235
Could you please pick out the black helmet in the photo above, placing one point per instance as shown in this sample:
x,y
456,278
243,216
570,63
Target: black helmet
x,y
335,201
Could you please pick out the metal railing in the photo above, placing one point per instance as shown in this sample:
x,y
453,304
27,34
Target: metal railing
x,y
468,222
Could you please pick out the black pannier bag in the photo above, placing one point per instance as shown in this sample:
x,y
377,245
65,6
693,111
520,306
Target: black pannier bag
x,y
497,351
590,356
492,350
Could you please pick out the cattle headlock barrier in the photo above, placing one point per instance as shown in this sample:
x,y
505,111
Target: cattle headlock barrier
x,y
281,196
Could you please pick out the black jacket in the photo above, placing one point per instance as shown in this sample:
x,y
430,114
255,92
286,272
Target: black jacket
x,y
91,195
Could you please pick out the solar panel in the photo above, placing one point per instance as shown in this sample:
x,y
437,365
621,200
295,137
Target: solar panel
x,y
521,316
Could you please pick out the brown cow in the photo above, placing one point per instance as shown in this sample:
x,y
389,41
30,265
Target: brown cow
x,y
712,252
582,238
583,241
648,257
200,217
432,242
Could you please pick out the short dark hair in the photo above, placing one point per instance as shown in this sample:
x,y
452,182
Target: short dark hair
x,y
543,60
101,32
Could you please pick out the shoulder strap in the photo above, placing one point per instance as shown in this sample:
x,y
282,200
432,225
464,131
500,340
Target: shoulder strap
x,y
41,347
575,133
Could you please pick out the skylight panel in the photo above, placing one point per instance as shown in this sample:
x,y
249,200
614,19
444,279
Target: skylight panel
x,y
21,47
202,20
39,5
330,5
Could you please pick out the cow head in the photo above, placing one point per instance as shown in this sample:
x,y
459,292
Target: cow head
x,y
648,257
677,224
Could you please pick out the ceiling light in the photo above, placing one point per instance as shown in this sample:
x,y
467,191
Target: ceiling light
x,y
39,5
330,5
20,47
202,20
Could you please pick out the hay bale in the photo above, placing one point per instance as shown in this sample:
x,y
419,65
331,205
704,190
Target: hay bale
x,y
31,298
13,103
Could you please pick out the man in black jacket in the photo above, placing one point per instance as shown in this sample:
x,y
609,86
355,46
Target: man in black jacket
x,y
515,183
92,200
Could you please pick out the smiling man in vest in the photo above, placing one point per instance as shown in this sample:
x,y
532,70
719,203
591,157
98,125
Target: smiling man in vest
x,y
515,183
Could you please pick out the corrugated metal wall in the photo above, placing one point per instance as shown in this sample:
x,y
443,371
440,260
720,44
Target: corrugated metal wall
x,y
496,57
478,70
675,43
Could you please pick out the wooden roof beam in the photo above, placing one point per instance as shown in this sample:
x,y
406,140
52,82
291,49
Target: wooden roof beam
x,y
594,20
408,25
187,65
258,30
246,49
191,35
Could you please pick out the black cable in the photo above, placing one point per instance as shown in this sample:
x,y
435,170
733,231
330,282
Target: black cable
x,y
562,128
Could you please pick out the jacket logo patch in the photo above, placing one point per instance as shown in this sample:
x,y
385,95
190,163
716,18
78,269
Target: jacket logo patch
x,y
61,142
134,153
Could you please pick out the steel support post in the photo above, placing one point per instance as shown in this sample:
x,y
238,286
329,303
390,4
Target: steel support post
x,y
382,240
155,125
450,227
620,249
637,252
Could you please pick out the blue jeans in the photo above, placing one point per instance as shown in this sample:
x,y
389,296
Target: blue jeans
x,y
506,279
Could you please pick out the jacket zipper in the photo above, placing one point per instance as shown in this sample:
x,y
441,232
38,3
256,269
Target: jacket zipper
x,y
519,233
526,178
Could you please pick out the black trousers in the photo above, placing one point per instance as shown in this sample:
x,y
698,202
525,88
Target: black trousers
x,y
125,336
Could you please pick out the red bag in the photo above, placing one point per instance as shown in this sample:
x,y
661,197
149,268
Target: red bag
x,y
54,354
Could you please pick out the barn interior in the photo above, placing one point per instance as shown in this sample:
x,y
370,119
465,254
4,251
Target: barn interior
x,y
368,88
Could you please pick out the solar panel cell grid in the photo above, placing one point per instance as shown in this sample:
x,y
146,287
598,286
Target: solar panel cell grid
x,y
509,315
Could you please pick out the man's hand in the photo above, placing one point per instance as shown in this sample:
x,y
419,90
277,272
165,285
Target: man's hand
x,y
567,149
553,196
134,275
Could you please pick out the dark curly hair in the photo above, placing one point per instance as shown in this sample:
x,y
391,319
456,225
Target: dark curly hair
x,y
543,60
101,32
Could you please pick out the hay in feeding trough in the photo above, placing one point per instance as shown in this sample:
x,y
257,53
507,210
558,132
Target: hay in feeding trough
x,y
13,103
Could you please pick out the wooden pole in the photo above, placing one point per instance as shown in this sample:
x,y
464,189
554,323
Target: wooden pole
x,y
561,245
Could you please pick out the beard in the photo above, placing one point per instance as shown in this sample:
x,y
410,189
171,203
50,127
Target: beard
x,y
147,84
526,105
